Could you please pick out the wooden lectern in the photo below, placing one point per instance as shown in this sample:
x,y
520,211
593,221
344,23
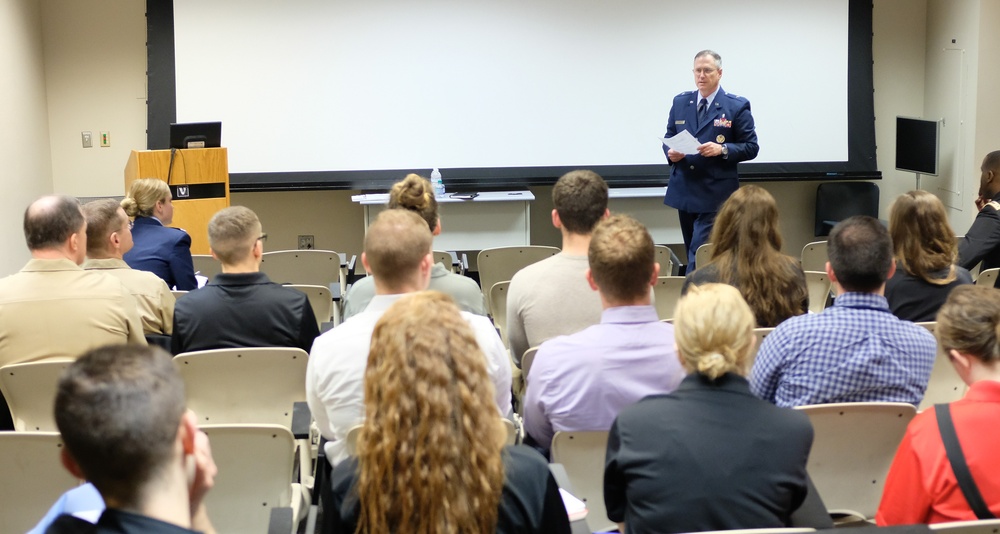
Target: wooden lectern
x,y
199,183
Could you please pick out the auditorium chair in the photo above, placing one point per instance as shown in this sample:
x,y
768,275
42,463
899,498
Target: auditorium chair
x,y
502,263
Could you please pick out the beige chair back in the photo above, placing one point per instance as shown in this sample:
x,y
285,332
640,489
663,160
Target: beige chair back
x,y
178,293
703,255
255,475
760,333
818,284
499,264
814,257
498,307
852,450
666,294
206,265
244,386
444,258
664,259
944,385
30,391
582,454
526,360
321,302
33,478
309,267
986,526
987,277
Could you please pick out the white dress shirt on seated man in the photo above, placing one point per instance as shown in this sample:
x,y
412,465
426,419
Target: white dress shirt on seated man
x,y
336,372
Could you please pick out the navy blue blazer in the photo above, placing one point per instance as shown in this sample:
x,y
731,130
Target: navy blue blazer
x,y
699,184
163,251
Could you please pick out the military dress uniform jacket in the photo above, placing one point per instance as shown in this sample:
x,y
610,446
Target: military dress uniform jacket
x,y
699,184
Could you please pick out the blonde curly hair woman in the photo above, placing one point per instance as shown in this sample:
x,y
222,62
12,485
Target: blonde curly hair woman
x,y
431,453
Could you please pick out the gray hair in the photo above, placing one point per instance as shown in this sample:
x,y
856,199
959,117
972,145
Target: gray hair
x,y
713,54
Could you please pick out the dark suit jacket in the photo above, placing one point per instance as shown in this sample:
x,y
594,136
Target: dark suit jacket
x,y
243,310
699,184
163,251
709,456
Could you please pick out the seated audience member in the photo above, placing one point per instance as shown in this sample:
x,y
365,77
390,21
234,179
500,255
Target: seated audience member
x,y
710,455
431,455
415,193
746,254
397,251
551,298
109,235
121,414
982,242
52,308
921,486
581,381
925,250
856,350
159,249
241,307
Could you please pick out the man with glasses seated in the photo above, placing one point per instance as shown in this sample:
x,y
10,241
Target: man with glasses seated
x,y
241,307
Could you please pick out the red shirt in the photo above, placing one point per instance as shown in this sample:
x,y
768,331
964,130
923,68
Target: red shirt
x,y
921,486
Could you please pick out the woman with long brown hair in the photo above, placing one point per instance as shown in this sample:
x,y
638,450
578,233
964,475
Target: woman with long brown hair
x,y
926,252
746,254
431,455
415,193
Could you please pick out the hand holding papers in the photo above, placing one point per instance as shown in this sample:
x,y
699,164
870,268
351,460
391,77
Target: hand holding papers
x,y
683,142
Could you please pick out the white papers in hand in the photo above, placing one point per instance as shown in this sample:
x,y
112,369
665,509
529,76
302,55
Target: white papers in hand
x,y
683,142
575,508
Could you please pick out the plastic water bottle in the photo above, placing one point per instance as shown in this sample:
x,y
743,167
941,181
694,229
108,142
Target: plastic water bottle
x,y
437,182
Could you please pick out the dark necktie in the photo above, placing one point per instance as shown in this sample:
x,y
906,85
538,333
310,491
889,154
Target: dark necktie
x,y
702,111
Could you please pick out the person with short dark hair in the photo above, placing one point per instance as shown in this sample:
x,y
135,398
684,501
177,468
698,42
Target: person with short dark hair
x,y
109,237
551,297
856,350
53,308
122,417
241,307
921,486
582,380
982,242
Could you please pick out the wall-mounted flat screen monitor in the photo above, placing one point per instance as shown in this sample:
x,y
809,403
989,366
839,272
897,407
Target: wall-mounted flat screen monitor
x,y
917,144
196,135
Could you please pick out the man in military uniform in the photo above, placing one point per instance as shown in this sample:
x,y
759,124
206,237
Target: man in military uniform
x,y
982,241
722,123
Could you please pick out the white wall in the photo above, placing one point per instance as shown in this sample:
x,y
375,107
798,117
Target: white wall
x,y
94,79
24,137
95,72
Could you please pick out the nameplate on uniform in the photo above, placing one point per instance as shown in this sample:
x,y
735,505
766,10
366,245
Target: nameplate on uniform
x,y
198,191
678,122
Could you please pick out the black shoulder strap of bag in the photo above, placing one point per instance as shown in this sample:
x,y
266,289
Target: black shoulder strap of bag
x,y
957,459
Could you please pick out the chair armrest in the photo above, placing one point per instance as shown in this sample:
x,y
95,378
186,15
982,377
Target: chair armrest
x,y
281,521
301,420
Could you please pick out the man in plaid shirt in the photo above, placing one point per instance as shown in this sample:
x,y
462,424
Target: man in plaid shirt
x,y
856,350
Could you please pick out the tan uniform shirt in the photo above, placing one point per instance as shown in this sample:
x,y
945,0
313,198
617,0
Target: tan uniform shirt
x,y
153,297
55,309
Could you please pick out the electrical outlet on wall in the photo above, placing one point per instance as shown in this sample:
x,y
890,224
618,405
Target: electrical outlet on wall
x,y
307,242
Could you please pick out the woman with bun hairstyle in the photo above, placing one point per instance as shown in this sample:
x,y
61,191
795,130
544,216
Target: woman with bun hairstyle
x,y
416,194
746,254
924,246
921,486
159,249
431,455
710,455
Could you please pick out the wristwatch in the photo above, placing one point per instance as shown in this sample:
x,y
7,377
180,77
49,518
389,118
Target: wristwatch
x,y
725,151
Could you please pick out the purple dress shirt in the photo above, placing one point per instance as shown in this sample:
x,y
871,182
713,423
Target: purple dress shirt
x,y
581,381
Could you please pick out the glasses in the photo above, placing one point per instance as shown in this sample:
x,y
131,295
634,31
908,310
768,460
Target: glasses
x,y
262,238
704,71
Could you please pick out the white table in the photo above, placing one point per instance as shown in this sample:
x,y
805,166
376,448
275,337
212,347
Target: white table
x,y
492,219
